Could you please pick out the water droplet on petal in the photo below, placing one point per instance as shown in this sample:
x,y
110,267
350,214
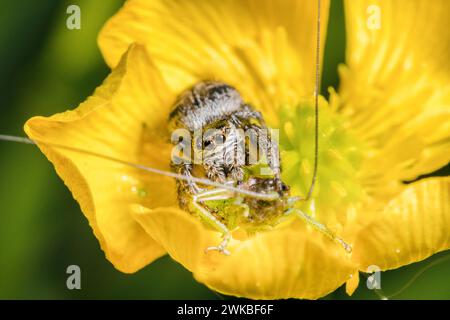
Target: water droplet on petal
x,y
142,192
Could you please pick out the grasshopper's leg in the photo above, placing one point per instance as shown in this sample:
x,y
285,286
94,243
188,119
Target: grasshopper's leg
x,y
214,194
222,247
222,194
207,215
320,227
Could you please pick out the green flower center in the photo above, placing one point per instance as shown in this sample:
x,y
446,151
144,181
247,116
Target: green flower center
x,y
339,157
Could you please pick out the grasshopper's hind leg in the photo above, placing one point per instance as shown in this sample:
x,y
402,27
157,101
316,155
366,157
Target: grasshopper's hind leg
x,y
199,195
320,227
222,247
208,216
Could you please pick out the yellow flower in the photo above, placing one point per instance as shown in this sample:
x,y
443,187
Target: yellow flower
x,y
388,124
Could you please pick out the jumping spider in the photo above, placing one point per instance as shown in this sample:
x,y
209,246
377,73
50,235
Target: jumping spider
x,y
218,112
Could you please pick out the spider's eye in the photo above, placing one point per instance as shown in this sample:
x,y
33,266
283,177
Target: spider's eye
x,y
221,138
207,143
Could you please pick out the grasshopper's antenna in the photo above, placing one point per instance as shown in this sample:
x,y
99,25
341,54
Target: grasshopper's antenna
x,y
207,182
316,107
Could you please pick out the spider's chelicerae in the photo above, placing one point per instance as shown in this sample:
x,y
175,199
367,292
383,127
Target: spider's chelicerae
x,y
230,144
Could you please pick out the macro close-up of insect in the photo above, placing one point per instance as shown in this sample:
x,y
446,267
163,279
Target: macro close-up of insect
x,y
218,110
220,149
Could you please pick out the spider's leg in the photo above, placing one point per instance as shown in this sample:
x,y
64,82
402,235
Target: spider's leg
x,y
185,169
247,112
320,227
268,145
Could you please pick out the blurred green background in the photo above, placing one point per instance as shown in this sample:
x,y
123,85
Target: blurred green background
x,y
46,68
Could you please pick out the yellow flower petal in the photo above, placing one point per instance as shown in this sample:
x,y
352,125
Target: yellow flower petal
x,y
352,284
395,88
183,236
412,227
266,48
290,261
117,121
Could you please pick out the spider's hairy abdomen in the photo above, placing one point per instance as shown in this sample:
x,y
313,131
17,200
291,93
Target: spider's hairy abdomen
x,y
205,103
